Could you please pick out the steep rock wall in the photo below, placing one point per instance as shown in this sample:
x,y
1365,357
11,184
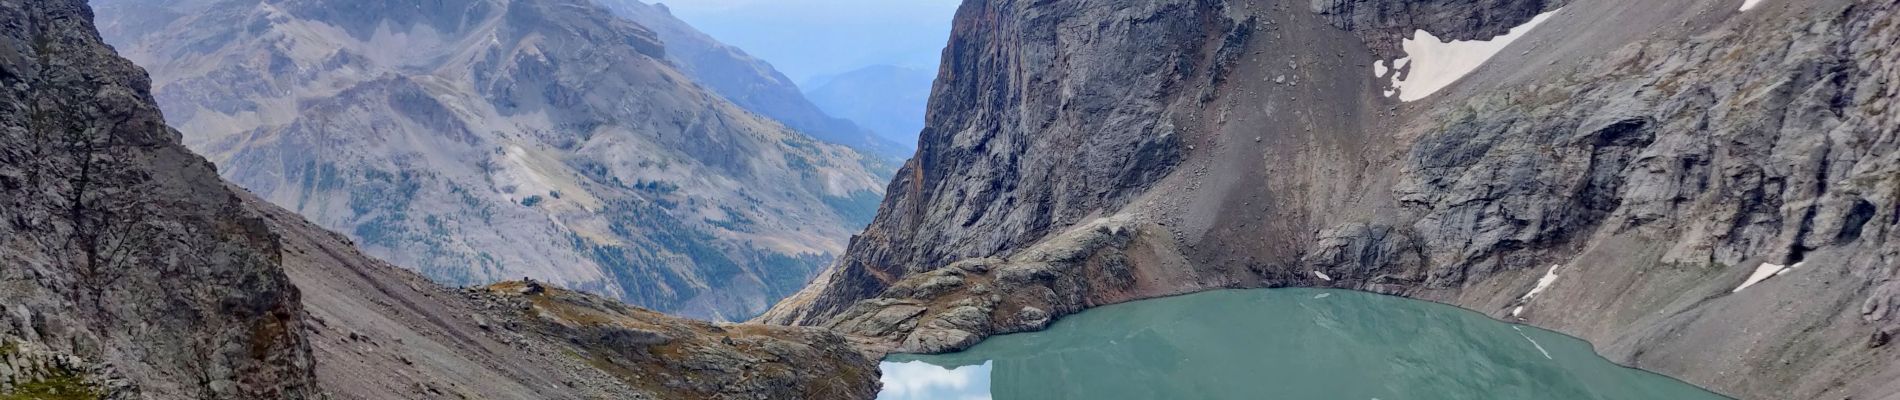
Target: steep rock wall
x,y
128,270
1011,154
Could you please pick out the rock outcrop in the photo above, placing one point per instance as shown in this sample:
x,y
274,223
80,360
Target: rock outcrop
x,y
1384,24
480,140
678,358
128,270
381,332
1619,182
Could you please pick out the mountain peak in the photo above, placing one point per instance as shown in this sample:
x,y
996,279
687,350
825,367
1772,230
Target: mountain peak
x,y
477,140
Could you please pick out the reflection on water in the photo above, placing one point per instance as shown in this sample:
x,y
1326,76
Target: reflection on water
x,y
1277,344
918,380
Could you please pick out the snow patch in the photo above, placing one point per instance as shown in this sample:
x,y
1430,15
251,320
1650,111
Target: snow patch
x,y
1544,282
1432,64
1790,268
1747,4
1763,272
1322,276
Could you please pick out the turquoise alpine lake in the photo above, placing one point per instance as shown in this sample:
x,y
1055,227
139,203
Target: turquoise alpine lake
x,y
1278,344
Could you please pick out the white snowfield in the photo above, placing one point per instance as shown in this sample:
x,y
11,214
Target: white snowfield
x,y
1431,64
1764,272
1544,282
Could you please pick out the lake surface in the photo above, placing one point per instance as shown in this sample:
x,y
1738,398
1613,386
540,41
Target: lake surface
x,y
1278,344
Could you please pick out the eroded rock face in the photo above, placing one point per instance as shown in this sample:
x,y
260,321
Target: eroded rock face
x,y
1383,24
1615,184
673,357
129,270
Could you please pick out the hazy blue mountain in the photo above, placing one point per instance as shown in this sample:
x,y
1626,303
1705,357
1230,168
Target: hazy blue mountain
x,y
887,99
751,83
811,38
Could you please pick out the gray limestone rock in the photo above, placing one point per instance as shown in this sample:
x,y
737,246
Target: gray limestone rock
x,y
130,270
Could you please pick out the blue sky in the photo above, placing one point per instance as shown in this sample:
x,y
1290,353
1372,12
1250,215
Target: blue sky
x,y
813,38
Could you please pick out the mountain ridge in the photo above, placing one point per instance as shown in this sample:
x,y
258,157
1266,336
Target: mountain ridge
x,y
480,140
750,82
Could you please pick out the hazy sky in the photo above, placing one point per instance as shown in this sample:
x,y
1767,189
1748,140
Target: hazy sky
x,y
810,38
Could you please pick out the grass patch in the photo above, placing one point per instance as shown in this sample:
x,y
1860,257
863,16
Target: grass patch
x,y
55,382
60,385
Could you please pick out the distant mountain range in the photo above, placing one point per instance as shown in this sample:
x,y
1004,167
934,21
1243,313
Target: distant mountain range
x,y
808,39
887,99
476,140
752,83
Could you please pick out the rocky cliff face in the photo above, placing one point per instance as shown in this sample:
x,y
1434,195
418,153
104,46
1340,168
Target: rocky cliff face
x,y
479,140
1007,155
1630,185
1385,24
752,83
129,270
